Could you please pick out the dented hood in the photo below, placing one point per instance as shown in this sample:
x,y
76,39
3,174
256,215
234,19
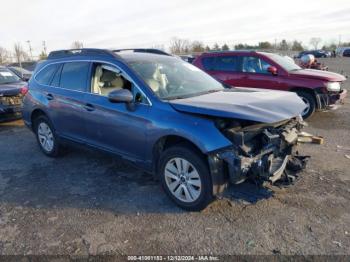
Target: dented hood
x,y
259,106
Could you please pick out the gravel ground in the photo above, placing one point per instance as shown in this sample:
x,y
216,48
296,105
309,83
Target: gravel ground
x,y
90,203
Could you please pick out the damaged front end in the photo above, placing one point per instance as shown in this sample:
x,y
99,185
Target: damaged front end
x,y
262,152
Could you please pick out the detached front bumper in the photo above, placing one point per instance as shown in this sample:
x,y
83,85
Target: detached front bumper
x,y
330,99
263,167
269,156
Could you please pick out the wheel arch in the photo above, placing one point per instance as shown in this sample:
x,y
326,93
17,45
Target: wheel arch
x,y
216,167
307,90
167,141
35,114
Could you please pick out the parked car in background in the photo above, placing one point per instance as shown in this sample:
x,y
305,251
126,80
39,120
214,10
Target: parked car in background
x,y
188,58
315,53
318,89
340,50
12,89
28,65
346,52
22,73
166,116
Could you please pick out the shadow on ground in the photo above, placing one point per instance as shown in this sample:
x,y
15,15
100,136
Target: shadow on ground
x,y
86,179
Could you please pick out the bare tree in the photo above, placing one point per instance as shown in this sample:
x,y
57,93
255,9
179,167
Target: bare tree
x,y
179,46
297,46
315,41
4,55
77,45
197,47
18,53
284,45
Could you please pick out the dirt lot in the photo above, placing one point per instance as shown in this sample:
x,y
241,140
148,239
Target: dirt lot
x,y
89,203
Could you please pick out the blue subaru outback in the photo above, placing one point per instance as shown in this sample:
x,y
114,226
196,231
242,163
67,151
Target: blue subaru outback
x,y
166,116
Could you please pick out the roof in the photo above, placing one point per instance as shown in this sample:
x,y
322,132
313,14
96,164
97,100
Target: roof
x,y
131,57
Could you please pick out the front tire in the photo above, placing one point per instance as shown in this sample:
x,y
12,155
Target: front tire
x,y
310,102
46,137
185,177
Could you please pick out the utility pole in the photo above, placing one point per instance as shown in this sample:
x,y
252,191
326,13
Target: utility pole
x,y
30,49
275,44
339,44
44,47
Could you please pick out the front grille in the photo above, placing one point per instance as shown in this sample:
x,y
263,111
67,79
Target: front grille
x,y
11,100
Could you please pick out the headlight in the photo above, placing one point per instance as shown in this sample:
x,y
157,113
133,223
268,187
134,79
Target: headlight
x,y
333,86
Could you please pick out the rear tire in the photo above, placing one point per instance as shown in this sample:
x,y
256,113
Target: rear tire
x,y
46,137
185,177
310,102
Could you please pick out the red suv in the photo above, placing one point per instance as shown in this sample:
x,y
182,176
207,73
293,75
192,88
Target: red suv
x,y
318,89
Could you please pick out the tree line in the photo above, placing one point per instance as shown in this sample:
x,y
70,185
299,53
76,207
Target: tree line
x,y
179,46
20,55
185,46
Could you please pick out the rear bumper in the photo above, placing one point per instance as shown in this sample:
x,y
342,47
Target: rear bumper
x,y
10,112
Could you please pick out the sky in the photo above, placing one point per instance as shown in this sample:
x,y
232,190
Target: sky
x,y
131,23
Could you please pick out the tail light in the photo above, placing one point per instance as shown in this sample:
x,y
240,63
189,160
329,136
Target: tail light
x,y
24,90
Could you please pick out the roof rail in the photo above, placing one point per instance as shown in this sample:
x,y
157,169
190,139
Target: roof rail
x,y
79,52
144,50
230,51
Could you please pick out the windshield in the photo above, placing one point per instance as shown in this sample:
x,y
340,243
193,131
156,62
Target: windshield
x,y
174,79
286,63
7,77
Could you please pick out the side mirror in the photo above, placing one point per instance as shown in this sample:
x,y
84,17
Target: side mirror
x,y
120,96
272,70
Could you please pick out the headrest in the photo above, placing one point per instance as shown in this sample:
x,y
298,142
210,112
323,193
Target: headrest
x,y
108,76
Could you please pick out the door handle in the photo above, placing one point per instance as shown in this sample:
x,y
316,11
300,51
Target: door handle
x,y
89,107
49,97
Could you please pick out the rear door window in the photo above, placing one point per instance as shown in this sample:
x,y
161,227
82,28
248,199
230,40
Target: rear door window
x,y
226,63
46,74
74,76
221,63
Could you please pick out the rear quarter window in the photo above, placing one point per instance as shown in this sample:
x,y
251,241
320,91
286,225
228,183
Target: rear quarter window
x,y
46,74
74,76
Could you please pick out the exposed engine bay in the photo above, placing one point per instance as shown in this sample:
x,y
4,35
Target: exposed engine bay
x,y
263,152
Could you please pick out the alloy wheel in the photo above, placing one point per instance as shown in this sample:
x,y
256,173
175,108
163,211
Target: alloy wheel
x,y
182,179
45,136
